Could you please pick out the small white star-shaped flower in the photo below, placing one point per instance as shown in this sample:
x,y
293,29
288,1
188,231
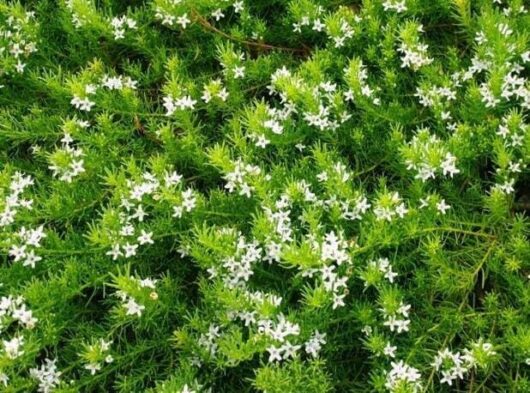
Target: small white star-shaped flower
x,y
442,207
145,238
183,20
130,249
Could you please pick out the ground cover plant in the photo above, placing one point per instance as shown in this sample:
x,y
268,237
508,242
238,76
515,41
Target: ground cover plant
x,y
264,196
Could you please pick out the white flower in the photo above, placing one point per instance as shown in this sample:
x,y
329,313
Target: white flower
x,y
93,367
414,56
4,379
390,350
177,211
238,6
488,97
442,206
186,389
47,376
183,20
148,283
83,104
239,72
504,29
12,348
130,249
19,67
262,141
274,354
170,105
114,252
507,187
384,266
289,350
218,14
318,25
189,201
133,308
448,165
395,5
145,238
223,94
185,102
401,373
314,344
401,210
181,103
172,179
120,24
18,252
274,126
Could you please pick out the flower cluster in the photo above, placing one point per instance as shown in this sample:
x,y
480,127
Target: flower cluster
x,y
118,82
340,29
512,131
81,100
239,178
120,24
12,348
318,104
24,243
356,77
134,289
238,268
232,62
313,346
403,377
208,340
214,89
321,116
333,252
439,98
169,13
414,53
83,103
338,26
395,5
66,162
18,35
397,320
172,104
388,205
80,11
454,366
284,349
13,200
47,376
257,301
308,15
426,154
434,201
376,270
96,354
131,229
15,309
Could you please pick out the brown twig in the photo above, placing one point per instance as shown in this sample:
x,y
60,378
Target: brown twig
x,y
208,26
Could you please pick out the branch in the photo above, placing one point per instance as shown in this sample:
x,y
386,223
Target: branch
x,y
208,26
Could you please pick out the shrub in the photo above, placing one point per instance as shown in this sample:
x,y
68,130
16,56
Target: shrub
x,y
264,196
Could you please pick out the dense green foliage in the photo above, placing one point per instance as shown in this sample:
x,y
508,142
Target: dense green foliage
x,y
274,196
